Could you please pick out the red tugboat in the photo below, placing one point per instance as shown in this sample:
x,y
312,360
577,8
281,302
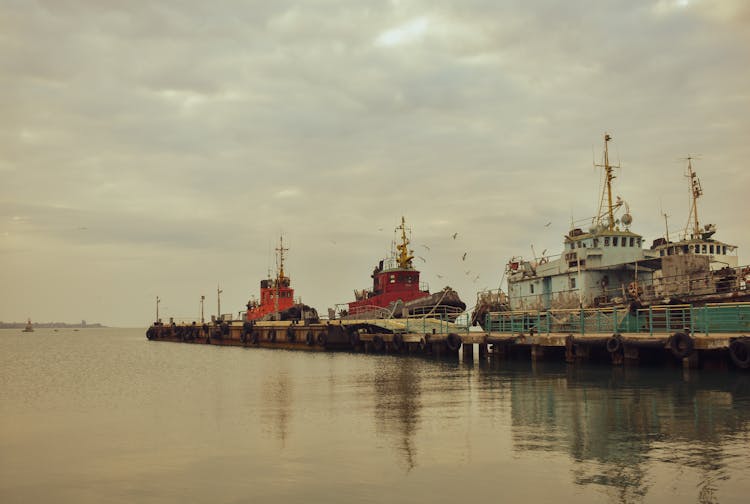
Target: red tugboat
x,y
277,297
396,291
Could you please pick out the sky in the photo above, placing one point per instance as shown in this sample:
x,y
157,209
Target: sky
x,y
161,148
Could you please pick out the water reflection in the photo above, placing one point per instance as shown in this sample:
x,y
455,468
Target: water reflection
x,y
276,414
87,418
397,390
616,424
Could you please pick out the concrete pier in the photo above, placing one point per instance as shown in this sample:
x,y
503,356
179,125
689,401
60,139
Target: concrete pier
x,y
685,349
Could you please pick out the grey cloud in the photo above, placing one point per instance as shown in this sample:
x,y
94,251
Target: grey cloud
x,y
172,130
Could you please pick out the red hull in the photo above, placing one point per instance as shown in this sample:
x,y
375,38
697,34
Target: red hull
x,y
390,286
269,294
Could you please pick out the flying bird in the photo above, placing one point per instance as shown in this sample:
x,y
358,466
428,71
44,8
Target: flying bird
x,y
440,276
426,247
422,258
463,257
476,278
548,224
468,272
454,235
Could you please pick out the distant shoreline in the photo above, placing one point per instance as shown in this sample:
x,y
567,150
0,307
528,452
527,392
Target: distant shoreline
x,y
48,325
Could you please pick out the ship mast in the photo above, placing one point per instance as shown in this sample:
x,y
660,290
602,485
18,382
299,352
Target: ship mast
x,y
404,254
218,302
279,273
281,251
695,192
608,169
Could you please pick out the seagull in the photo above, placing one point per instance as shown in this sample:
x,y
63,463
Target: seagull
x,y
463,257
544,252
476,278
548,224
380,229
422,258
454,235
468,272
440,276
426,247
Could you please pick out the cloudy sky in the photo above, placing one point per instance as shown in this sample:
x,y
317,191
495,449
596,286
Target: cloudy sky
x,y
160,148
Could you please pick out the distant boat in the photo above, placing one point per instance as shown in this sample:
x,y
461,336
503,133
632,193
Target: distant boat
x,y
29,327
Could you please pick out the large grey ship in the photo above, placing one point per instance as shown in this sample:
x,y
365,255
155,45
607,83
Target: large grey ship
x,y
606,265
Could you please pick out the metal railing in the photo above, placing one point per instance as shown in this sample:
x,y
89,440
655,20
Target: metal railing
x,y
438,324
369,311
711,318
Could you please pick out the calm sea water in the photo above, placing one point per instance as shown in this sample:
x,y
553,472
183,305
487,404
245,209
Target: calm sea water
x,y
106,416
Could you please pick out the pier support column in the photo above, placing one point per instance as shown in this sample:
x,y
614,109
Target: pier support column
x,y
482,350
691,361
437,349
582,352
631,355
537,352
618,358
500,350
468,351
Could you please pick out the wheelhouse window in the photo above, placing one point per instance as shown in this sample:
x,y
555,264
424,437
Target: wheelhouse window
x,y
711,249
606,241
596,242
632,241
531,288
614,241
572,282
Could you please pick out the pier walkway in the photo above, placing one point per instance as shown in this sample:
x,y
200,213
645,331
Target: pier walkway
x,y
706,336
